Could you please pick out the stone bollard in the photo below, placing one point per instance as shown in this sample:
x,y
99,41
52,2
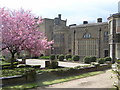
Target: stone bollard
x,y
47,64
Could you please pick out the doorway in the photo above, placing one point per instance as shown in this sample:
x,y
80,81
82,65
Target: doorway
x,y
106,53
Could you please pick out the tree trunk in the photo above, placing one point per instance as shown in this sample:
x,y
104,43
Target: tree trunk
x,y
12,60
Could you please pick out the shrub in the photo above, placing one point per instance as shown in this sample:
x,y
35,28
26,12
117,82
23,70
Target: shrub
x,y
2,59
68,56
76,58
57,56
52,57
54,65
13,72
95,64
93,59
101,60
90,59
118,60
108,59
117,72
61,58
87,60
69,59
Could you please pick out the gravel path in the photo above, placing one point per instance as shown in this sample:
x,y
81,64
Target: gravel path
x,y
98,81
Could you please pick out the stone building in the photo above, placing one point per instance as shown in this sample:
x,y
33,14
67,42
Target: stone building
x,y
87,39
60,39
114,36
90,39
50,28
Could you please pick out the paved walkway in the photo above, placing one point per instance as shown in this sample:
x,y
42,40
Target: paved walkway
x,y
98,81
42,63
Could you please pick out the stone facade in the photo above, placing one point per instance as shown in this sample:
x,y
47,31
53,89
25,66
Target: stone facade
x,y
87,39
90,39
51,27
114,36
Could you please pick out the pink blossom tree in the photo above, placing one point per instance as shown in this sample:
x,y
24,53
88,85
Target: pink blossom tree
x,y
20,32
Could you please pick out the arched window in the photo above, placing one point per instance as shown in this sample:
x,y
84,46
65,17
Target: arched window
x,y
86,35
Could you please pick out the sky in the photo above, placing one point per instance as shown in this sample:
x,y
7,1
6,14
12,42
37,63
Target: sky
x,y
75,11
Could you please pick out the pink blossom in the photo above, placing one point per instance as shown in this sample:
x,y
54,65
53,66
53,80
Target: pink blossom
x,y
20,31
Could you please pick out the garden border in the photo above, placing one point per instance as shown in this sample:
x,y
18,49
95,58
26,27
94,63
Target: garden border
x,y
20,79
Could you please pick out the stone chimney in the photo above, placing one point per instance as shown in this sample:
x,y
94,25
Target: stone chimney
x,y
85,22
59,16
99,20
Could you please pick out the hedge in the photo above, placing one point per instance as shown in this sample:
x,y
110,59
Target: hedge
x,y
61,57
87,60
53,65
108,59
93,59
68,56
101,60
52,57
76,58
90,59
57,56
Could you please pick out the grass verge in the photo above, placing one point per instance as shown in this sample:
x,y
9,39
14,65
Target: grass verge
x,y
50,82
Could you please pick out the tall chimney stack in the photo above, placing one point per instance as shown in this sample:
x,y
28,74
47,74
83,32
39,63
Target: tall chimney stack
x,y
99,20
59,16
